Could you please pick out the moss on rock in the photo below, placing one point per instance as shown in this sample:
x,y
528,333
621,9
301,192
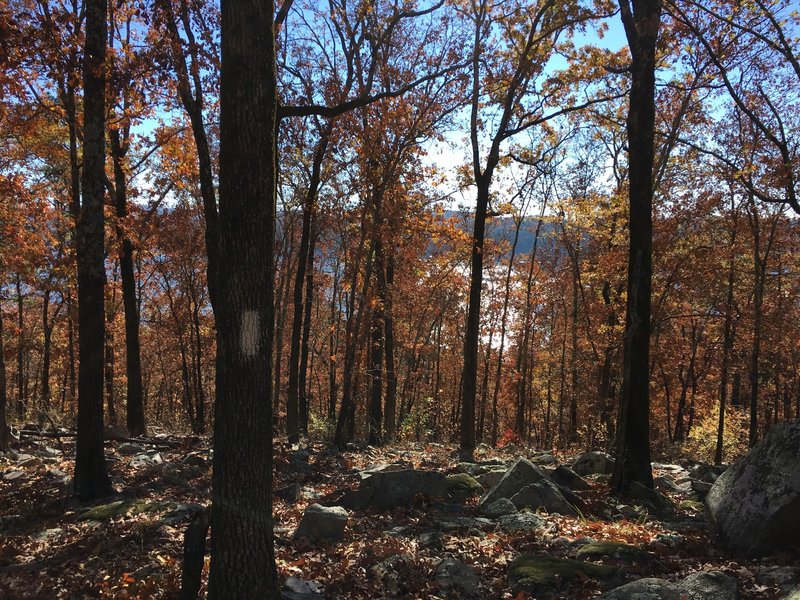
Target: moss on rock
x,y
532,572
463,482
612,549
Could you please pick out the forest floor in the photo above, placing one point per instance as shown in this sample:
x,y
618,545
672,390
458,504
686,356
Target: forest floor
x,y
52,548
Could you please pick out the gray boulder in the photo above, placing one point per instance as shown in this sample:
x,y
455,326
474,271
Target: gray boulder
x,y
520,474
297,589
489,479
499,508
322,523
544,494
523,521
755,504
399,488
711,585
564,476
454,577
592,463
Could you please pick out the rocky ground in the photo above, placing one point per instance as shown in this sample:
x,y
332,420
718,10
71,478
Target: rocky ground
x,y
412,522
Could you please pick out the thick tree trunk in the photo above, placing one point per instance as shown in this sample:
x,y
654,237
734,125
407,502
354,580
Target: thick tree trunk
x,y
91,476
633,430
242,553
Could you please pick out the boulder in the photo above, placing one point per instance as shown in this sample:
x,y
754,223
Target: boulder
x,y
461,486
128,449
617,550
566,477
489,479
522,522
297,589
593,463
393,572
519,475
400,488
458,579
538,572
290,493
544,494
705,585
755,504
322,523
499,508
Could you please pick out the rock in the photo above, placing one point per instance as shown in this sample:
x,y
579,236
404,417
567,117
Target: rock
x,y
519,475
535,572
299,461
544,494
489,479
522,522
297,589
782,577
195,460
566,477
706,473
792,595
701,487
322,523
147,459
479,468
454,577
667,484
692,506
754,505
431,539
128,449
290,493
705,585
461,486
400,488
26,460
355,499
12,475
651,498
618,550
499,508
393,572
591,463
543,458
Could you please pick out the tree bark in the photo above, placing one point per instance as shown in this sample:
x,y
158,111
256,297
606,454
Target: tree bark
x,y
293,396
633,430
242,553
4,431
134,400
91,477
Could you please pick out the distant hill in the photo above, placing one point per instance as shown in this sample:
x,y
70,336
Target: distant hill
x,y
501,229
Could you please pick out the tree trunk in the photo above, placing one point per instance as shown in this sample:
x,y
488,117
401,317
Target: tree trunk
x,y
390,403
22,399
472,335
302,381
727,347
292,398
134,400
5,436
91,477
633,429
47,331
242,553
